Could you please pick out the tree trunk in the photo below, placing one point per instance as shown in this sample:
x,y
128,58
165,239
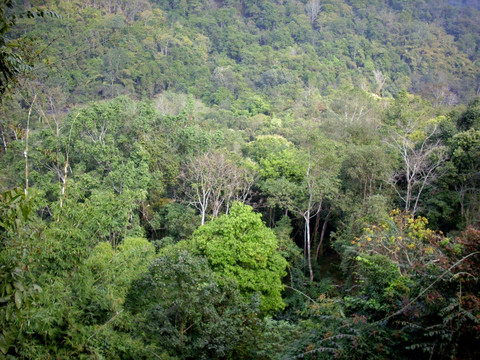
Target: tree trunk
x,y
308,244
408,196
203,217
322,236
4,142
315,231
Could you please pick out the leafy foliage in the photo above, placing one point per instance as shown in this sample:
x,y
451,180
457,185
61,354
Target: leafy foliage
x,y
181,309
321,115
240,248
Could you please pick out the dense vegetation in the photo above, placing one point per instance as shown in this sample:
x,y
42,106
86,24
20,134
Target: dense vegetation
x,y
239,179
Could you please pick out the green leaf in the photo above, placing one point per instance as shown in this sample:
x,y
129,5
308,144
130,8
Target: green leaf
x,y
19,286
25,212
3,344
18,299
8,288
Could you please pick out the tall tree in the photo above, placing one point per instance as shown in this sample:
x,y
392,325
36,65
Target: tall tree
x,y
420,157
466,158
212,181
182,310
304,196
313,8
240,248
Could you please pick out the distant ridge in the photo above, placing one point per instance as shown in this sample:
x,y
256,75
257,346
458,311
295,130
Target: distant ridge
x,y
465,3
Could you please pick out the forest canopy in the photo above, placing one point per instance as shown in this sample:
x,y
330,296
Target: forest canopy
x,y
239,179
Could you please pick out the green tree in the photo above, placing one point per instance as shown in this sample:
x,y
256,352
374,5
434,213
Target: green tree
x,y
410,275
465,157
14,58
365,169
85,305
317,182
471,117
182,310
19,237
240,248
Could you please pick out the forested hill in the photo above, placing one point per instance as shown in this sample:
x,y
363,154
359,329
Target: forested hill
x,y
239,179
225,51
460,3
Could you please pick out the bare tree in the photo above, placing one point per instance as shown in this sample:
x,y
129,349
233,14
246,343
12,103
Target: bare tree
x,y
245,178
420,162
380,80
223,181
313,8
212,181
198,184
54,100
25,153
